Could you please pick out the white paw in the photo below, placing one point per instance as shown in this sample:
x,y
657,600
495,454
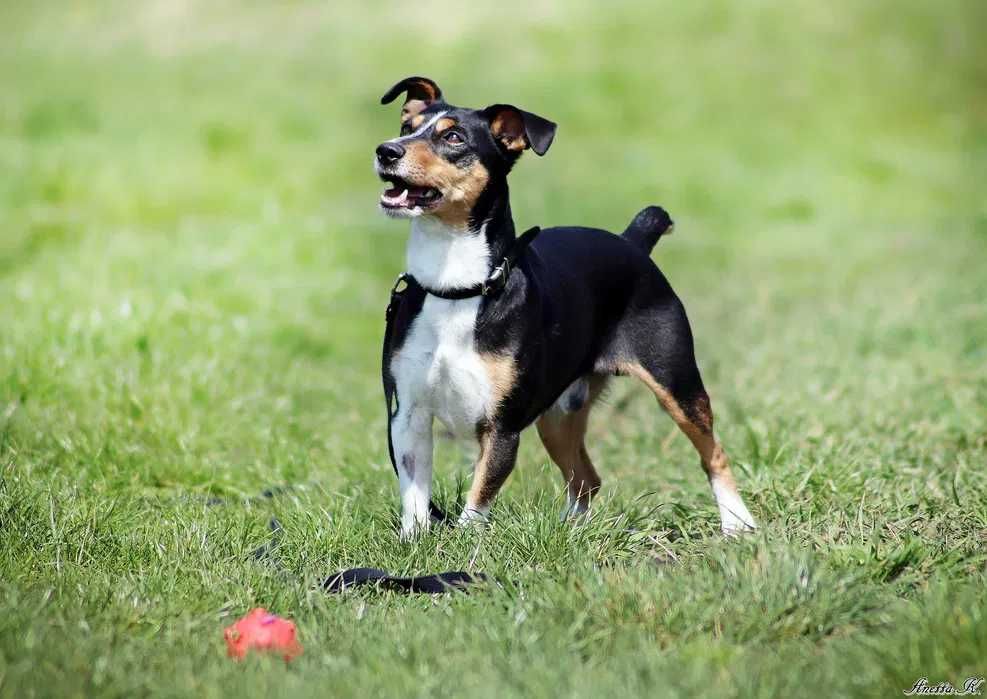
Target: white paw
x,y
472,515
411,530
574,511
734,523
735,518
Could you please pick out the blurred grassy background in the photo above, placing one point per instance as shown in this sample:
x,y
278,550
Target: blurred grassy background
x,y
193,274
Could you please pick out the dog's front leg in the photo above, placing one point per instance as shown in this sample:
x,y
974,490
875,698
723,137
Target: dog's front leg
x,y
498,453
411,438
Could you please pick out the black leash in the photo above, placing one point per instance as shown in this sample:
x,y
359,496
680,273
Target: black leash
x,y
439,583
425,584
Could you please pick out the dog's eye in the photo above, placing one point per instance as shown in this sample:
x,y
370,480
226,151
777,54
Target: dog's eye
x,y
405,129
452,137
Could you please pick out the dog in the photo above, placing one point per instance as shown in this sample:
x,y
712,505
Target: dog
x,y
496,332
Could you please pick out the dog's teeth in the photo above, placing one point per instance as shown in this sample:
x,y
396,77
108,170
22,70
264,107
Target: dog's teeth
x,y
395,201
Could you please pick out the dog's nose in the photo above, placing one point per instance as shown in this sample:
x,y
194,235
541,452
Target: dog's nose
x,y
388,152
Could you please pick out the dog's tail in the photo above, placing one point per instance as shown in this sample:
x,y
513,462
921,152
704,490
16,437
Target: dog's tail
x,y
648,226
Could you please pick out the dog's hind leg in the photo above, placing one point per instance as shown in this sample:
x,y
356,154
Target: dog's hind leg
x,y
563,433
668,368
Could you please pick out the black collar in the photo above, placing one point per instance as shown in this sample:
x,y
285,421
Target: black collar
x,y
493,284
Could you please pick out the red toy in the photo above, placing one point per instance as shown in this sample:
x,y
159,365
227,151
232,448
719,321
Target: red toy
x,y
263,631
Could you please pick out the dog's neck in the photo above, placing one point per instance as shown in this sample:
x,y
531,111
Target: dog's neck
x,y
441,256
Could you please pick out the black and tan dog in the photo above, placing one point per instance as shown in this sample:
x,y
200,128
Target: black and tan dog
x,y
492,335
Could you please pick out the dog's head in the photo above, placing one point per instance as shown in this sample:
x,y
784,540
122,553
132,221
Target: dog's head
x,y
447,159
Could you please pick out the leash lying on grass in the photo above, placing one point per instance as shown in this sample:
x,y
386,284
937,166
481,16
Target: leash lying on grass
x,y
428,584
435,584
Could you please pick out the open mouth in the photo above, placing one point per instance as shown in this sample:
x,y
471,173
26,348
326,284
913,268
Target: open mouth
x,y
404,195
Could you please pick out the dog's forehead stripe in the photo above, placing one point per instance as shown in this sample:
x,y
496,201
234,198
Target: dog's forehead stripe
x,y
420,130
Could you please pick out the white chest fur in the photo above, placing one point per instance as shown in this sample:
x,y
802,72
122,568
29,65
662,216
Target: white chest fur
x,y
441,257
438,369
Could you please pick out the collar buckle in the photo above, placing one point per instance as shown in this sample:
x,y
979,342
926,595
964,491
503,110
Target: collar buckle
x,y
497,279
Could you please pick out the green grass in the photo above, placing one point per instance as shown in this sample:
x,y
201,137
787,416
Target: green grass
x,y
192,283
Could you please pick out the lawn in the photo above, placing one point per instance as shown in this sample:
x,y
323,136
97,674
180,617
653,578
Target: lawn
x,y
193,275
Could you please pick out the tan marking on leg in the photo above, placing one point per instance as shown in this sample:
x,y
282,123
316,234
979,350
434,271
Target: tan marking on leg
x,y
587,478
700,435
556,438
699,430
564,439
663,395
479,496
498,455
501,372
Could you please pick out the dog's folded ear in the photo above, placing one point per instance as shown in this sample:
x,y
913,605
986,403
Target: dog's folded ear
x,y
421,89
516,129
